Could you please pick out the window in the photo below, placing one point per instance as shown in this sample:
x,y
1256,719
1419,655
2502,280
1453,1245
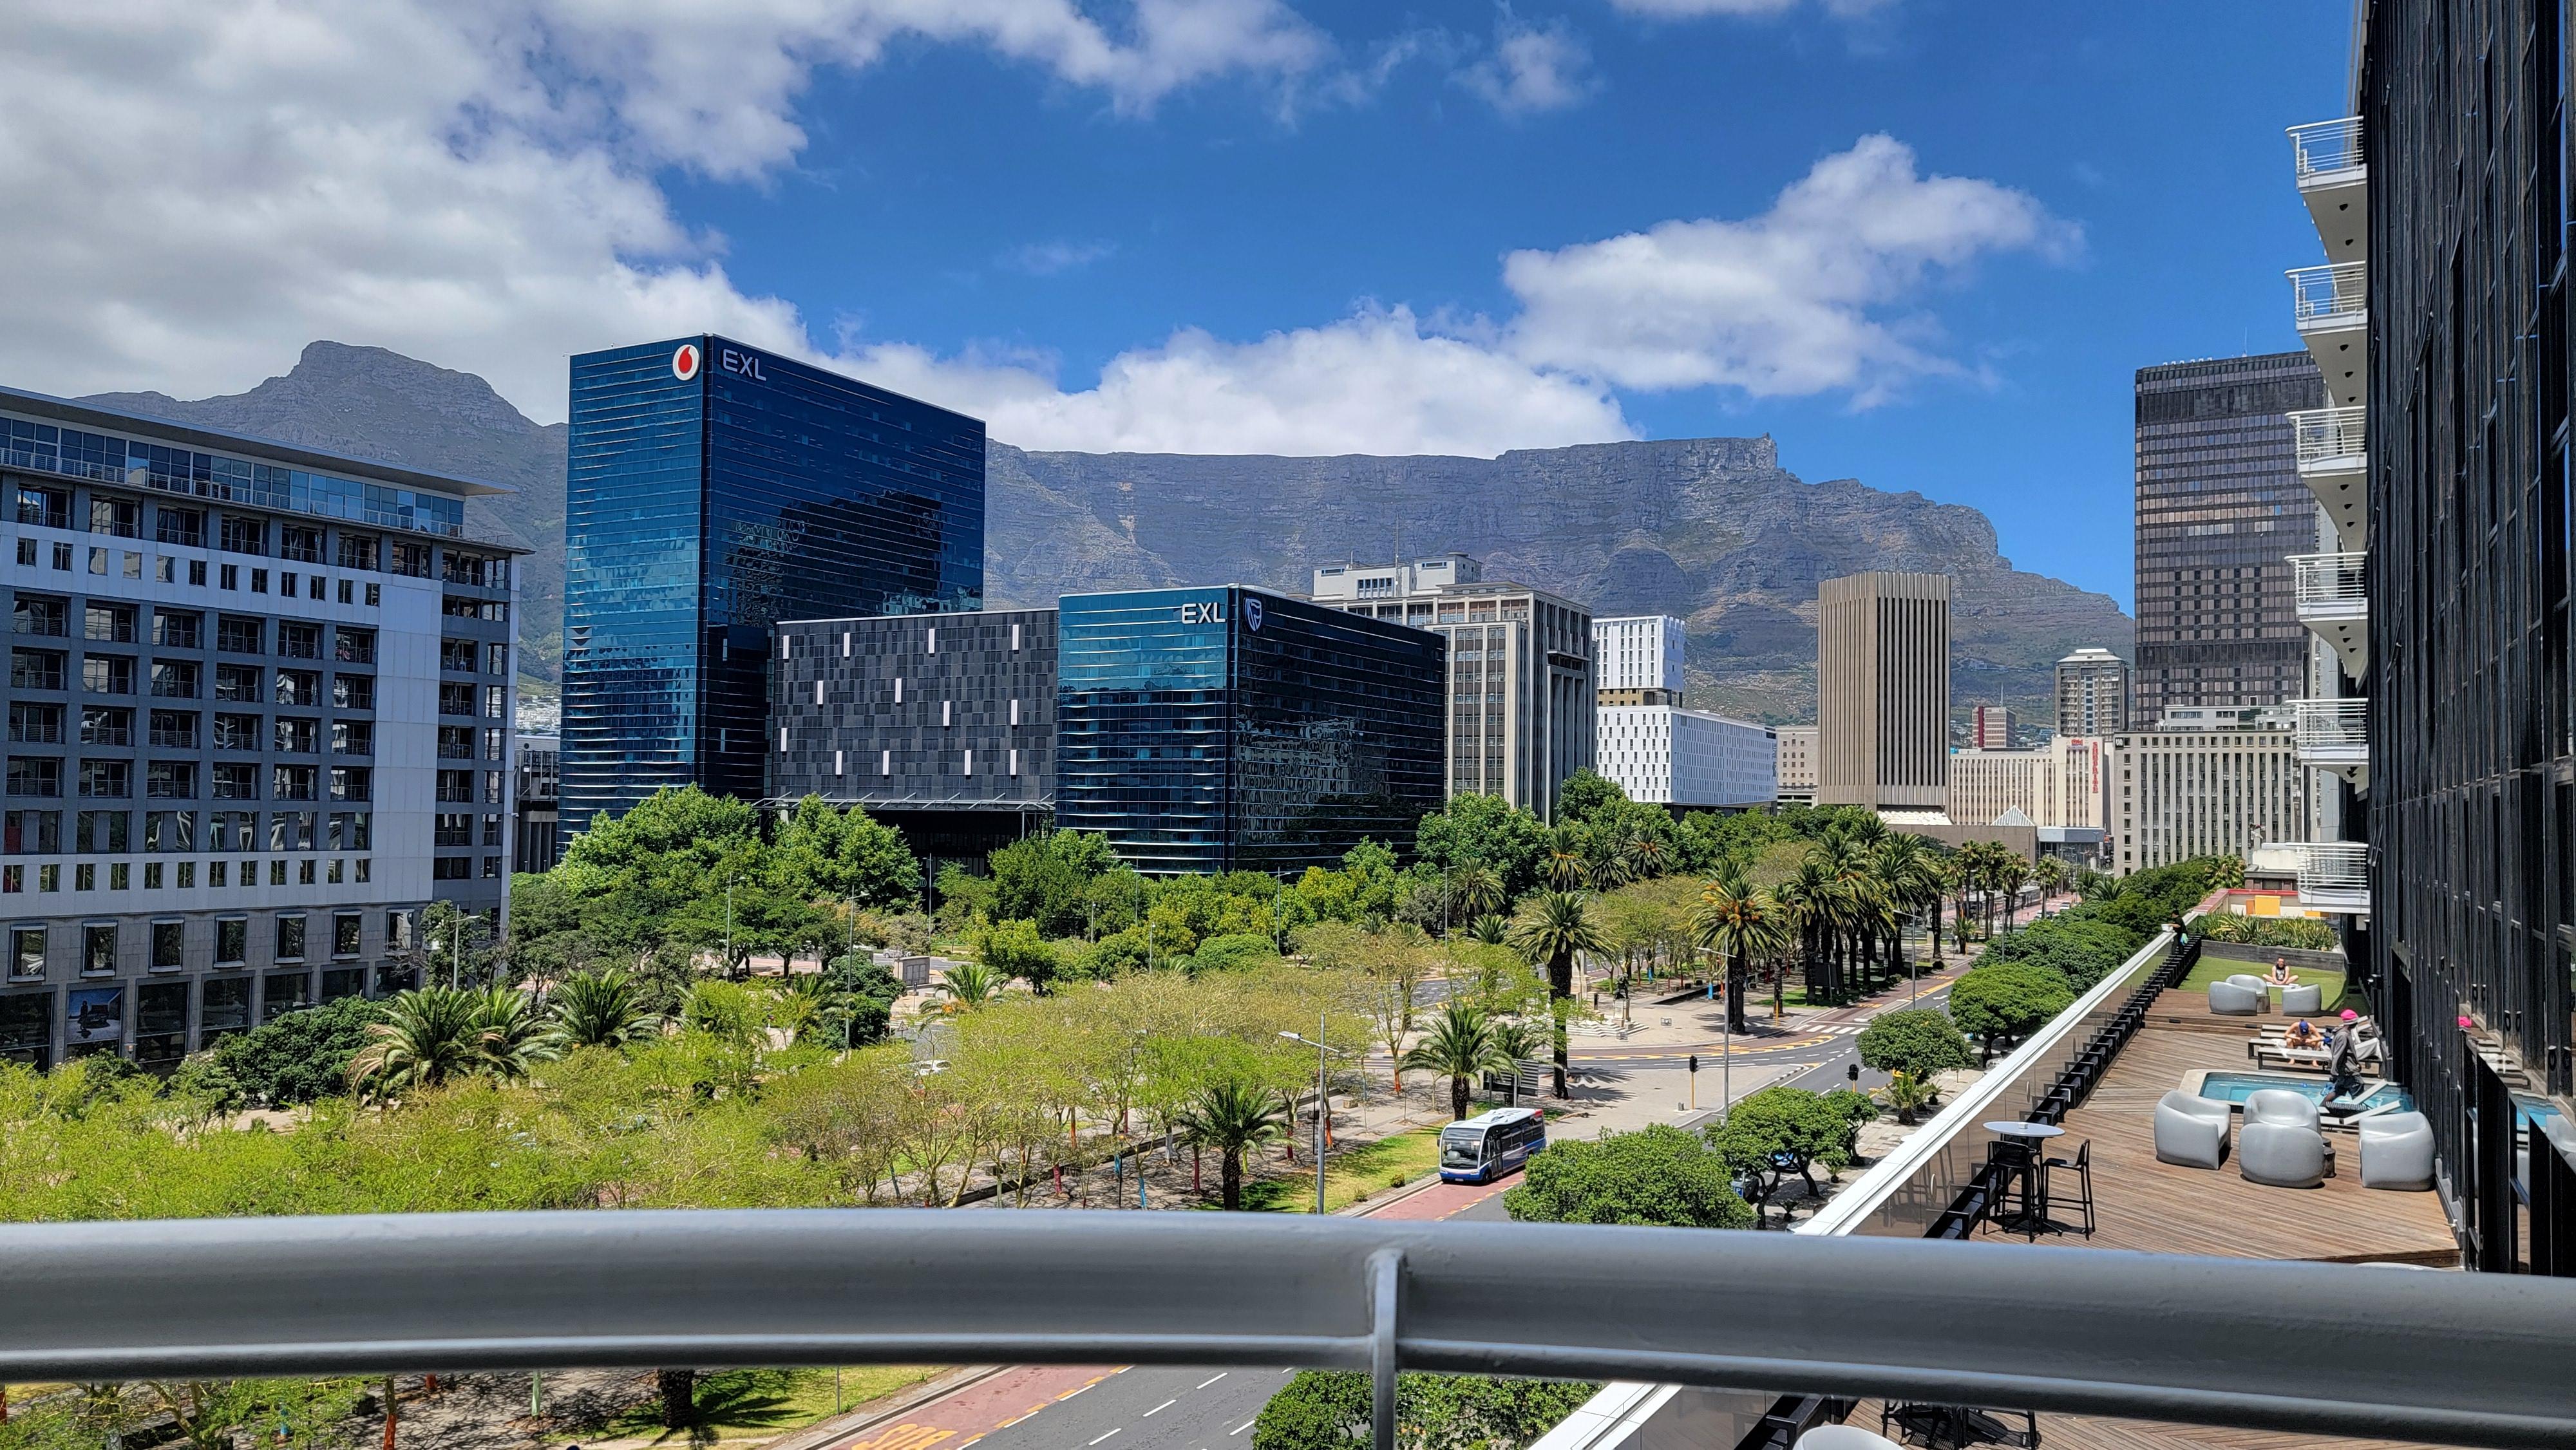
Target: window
x,y
41,614
491,868
107,725
299,687
455,787
107,779
107,674
496,659
174,679
297,735
236,783
293,783
353,737
178,628
451,868
456,654
353,692
358,551
171,831
122,517
27,552
185,527
491,830
169,946
237,732
232,942
454,699
456,742
32,724
231,576
98,951
26,953
300,544
45,508
241,635
352,783
35,669
259,581
170,780
299,641
111,623
290,938
237,684
36,775
354,646
453,830
492,787
347,930
243,536
495,699
411,560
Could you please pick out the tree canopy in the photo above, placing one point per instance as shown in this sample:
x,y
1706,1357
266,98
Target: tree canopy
x,y
1655,1175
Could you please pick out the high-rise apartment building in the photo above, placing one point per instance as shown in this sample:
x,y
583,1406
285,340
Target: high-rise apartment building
x,y
1990,727
1521,707
1883,692
1637,659
1665,755
260,706
1230,728
1795,772
2092,693
2220,510
2205,782
539,792
713,491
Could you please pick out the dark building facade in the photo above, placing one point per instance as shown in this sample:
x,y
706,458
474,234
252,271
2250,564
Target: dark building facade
x,y
2220,508
540,788
1229,728
941,725
714,490
2472,800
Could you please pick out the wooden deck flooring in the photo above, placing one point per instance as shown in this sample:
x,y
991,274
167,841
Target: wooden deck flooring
x,y
2087,1432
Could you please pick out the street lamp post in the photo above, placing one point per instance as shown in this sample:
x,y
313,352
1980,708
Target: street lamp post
x,y
1322,1056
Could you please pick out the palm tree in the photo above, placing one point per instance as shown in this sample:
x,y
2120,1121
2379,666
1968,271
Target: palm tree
x,y
969,985
1459,1046
1478,890
1903,865
2050,873
1738,922
1644,856
513,1033
1491,929
1554,927
2012,873
1563,864
434,1035
1231,1116
1807,897
601,1009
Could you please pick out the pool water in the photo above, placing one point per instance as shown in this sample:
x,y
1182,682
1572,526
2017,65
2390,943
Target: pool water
x,y
2236,1087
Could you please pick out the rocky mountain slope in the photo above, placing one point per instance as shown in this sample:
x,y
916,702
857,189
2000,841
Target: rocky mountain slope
x,y
1711,529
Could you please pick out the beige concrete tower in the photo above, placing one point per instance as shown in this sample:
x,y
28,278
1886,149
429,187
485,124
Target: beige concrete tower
x,y
1883,691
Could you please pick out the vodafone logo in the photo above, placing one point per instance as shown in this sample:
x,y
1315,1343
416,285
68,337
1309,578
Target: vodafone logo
x,y
685,362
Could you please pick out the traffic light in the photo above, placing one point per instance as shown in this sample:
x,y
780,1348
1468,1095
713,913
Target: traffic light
x,y
1694,1062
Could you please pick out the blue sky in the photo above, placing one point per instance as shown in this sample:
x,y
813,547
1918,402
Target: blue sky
x,y
991,202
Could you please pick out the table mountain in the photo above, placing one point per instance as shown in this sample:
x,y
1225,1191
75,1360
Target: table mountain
x,y
1711,529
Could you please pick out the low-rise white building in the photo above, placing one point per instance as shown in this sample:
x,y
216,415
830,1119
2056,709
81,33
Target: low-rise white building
x,y
2058,784
2207,781
1794,767
1665,755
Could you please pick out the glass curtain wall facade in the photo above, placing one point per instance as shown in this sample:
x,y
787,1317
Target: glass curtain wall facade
x,y
2473,771
714,490
1230,729
2220,508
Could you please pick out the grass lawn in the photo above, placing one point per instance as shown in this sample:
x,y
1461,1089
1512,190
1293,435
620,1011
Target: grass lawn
x,y
1348,1177
2218,969
745,1404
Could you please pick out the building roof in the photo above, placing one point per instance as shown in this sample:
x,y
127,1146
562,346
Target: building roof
x,y
75,413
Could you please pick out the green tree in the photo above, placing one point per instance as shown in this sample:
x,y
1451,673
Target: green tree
x,y
301,1056
1231,1116
1047,879
845,856
2006,1001
1655,1175
1776,1132
1460,1046
1329,1410
1014,949
1553,929
634,877
602,1009
1584,794
1475,830
435,1034
969,985
1920,1041
1738,923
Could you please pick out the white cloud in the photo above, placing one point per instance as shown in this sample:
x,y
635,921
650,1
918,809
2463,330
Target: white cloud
x,y
1824,292
1531,68
1692,9
1047,259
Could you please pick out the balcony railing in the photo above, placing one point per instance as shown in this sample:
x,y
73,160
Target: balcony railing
x,y
2334,874
2329,436
2304,1348
2321,149
2331,584
2330,296
2332,728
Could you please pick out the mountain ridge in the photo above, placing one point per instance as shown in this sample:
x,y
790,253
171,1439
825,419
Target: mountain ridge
x,y
1711,529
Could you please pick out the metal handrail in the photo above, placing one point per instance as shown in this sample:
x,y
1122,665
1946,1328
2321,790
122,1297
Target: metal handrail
x,y
2321,148
2301,1347
2331,724
2333,865
2331,578
2338,290
2325,433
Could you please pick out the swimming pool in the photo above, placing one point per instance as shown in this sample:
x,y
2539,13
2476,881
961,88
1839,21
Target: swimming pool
x,y
2236,1087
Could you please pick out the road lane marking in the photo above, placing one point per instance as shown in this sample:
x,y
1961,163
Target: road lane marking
x,y
1069,1394
1212,1379
1149,1414
1104,1437
1239,1429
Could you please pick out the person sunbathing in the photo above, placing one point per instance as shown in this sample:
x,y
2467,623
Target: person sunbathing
x,y
2281,973
2302,1036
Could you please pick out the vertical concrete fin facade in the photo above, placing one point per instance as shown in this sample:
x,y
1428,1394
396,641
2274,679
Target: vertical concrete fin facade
x,y
1883,691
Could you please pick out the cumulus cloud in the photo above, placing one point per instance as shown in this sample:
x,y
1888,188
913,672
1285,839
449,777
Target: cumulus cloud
x,y
1826,291
1531,68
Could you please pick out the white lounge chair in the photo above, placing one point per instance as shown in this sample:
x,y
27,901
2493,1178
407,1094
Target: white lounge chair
x,y
2191,1130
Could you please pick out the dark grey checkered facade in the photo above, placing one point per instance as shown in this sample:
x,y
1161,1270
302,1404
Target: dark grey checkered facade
x,y
936,712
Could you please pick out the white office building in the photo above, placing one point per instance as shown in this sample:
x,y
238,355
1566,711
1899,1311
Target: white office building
x,y
1795,771
1664,755
1637,659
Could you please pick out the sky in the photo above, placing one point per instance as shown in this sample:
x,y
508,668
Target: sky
x,y
1921,243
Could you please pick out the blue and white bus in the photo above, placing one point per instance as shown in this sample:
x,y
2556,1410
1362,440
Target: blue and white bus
x,y
1489,1145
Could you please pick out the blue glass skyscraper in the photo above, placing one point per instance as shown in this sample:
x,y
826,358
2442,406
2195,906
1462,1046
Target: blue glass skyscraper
x,y
1232,729
713,490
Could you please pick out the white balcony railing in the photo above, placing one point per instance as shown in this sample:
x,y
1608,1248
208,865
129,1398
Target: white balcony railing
x,y
2334,872
2330,296
2330,436
2331,585
2332,728
2320,149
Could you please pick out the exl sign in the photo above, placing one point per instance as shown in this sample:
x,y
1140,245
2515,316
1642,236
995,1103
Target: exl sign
x,y
1211,612
740,364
